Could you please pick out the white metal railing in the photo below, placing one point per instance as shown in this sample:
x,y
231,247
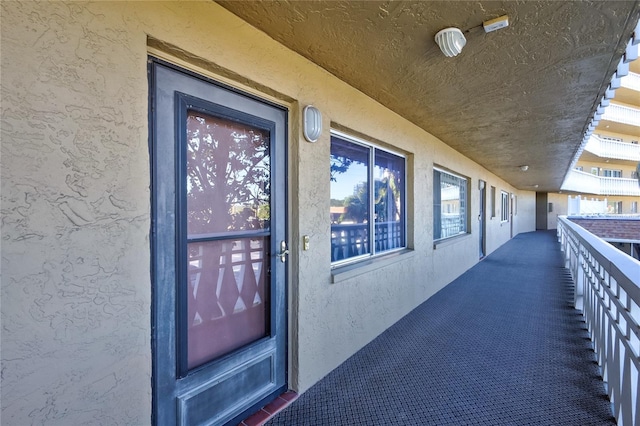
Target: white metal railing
x,y
587,183
607,291
622,114
613,149
631,81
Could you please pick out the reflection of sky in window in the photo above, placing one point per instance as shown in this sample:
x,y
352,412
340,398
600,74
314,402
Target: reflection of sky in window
x,y
347,181
357,172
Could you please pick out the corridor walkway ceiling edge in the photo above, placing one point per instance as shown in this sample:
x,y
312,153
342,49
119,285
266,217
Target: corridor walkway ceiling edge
x,y
522,95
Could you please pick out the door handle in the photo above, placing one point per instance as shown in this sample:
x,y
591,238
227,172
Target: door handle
x,y
284,252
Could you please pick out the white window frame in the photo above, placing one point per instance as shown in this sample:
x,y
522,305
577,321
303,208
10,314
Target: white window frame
x,y
493,201
504,212
610,138
464,212
611,172
403,208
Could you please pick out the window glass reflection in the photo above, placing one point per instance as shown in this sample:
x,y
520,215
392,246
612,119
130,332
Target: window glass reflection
x,y
227,176
349,199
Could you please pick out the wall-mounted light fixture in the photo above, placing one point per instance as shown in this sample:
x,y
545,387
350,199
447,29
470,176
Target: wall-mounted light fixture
x,y
312,123
451,41
481,184
524,168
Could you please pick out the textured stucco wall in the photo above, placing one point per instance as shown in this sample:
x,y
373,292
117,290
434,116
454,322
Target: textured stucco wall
x,y
560,207
75,221
75,204
526,217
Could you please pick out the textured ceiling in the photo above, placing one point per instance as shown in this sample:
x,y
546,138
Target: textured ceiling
x,y
519,95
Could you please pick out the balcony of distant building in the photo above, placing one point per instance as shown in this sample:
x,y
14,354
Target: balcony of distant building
x,y
588,183
623,114
631,81
613,148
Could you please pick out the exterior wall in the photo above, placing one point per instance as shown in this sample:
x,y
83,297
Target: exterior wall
x,y
524,218
626,167
526,215
628,134
75,209
560,206
626,202
76,287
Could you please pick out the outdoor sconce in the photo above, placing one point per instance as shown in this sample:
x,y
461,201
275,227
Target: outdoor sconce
x,y
481,184
311,123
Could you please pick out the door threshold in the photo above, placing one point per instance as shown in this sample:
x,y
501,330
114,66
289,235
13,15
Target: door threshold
x,y
270,410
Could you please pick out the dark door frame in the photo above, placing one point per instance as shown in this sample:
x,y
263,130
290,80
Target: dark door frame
x,y
482,218
170,397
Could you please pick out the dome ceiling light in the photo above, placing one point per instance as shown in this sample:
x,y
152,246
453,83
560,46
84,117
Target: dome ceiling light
x,y
451,41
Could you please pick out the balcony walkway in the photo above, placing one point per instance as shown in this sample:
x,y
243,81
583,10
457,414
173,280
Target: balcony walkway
x,y
501,345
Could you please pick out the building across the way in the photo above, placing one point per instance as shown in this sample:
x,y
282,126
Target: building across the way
x,y
605,177
602,192
207,204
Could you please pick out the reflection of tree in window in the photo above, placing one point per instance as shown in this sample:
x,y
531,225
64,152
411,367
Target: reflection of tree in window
x,y
350,180
356,205
227,175
389,171
227,190
388,174
353,194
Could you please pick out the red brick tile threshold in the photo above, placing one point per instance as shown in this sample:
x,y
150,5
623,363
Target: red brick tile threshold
x,y
270,410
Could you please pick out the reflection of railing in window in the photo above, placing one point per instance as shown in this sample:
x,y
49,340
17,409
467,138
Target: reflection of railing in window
x,y
451,224
226,300
351,240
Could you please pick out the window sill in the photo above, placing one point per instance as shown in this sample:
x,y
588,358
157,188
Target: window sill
x,y
450,240
346,272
